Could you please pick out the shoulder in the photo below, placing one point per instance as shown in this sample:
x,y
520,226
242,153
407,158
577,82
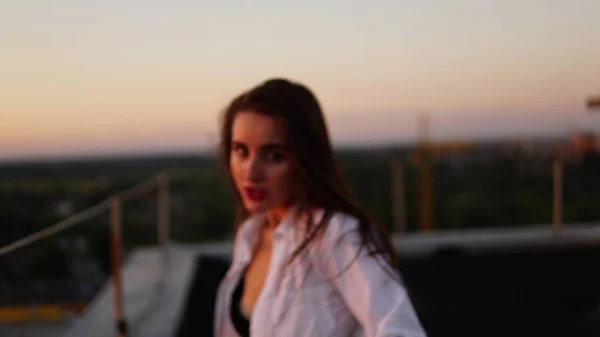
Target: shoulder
x,y
338,227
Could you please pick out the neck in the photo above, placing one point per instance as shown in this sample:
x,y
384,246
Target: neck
x,y
274,216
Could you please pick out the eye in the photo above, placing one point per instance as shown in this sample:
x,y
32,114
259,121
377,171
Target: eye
x,y
241,150
275,156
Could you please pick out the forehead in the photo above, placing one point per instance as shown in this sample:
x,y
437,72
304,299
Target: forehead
x,y
255,128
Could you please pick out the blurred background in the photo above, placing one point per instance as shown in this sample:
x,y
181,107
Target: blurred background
x,y
447,117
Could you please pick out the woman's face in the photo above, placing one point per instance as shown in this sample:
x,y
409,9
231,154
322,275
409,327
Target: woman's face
x,y
259,162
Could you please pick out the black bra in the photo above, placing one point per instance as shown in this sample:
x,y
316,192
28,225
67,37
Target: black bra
x,y
240,322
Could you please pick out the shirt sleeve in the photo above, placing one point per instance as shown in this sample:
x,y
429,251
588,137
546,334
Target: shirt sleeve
x,y
378,300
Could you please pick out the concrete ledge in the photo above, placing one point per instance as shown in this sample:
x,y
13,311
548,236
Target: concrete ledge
x,y
152,304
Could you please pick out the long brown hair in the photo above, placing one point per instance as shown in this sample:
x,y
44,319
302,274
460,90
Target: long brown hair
x,y
320,184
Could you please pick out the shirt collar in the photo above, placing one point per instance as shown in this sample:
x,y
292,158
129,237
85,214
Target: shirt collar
x,y
288,227
250,229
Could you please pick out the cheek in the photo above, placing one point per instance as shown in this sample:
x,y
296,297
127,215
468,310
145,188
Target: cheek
x,y
236,169
281,177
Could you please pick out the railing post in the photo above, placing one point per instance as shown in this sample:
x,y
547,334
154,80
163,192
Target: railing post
x,y
163,217
116,257
398,200
557,191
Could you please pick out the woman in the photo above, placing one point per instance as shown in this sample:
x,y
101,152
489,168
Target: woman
x,y
307,261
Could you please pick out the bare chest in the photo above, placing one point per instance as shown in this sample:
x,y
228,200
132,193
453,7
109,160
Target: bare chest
x,y
254,282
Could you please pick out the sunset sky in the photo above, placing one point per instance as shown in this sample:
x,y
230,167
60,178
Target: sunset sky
x,y
104,77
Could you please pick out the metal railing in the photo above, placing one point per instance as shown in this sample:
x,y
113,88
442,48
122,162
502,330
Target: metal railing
x,y
161,183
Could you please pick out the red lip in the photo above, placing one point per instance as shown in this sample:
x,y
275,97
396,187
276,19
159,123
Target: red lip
x,y
255,194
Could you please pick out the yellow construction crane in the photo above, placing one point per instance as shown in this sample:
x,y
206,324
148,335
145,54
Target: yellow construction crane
x,y
594,102
422,157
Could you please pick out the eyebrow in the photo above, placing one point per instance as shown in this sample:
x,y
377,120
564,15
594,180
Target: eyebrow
x,y
269,146
274,146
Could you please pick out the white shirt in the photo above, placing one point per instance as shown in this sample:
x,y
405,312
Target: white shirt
x,y
328,291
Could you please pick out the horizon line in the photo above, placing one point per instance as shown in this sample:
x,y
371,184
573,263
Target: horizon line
x,y
212,151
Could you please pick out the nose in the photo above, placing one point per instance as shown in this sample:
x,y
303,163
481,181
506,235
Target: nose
x,y
254,170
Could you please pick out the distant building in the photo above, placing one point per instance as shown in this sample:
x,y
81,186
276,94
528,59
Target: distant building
x,y
584,143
